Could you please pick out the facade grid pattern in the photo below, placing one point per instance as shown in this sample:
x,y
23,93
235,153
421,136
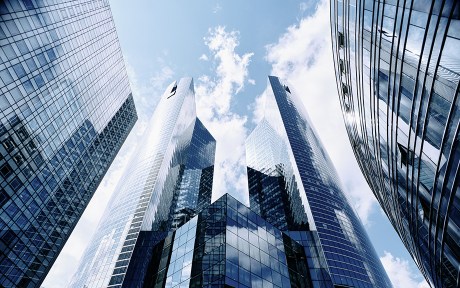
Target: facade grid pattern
x,y
65,109
308,184
398,69
229,245
168,180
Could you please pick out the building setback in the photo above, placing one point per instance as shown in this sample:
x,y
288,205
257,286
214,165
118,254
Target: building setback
x,y
398,69
65,110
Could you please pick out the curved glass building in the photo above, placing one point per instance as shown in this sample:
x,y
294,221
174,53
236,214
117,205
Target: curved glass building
x,y
397,66
294,186
168,180
65,110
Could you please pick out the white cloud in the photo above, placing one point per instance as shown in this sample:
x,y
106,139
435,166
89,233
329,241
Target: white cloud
x,y
400,273
217,8
231,70
203,57
147,93
214,98
160,79
304,6
258,107
303,56
252,81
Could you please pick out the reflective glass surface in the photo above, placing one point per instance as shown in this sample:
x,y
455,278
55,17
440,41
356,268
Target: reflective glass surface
x,y
65,110
228,245
167,181
398,69
293,182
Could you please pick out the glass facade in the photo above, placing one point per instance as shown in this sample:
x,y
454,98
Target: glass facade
x,y
227,245
168,180
293,184
397,68
65,110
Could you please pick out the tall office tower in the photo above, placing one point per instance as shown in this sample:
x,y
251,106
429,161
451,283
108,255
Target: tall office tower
x,y
168,180
65,110
294,186
398,69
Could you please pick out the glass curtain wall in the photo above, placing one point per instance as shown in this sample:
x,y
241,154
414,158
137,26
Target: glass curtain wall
x,y
168,179
293,182
397,68
65,110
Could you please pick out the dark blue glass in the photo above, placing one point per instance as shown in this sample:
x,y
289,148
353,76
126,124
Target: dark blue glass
x,y
212,258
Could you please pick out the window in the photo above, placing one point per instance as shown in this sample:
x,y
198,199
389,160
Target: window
x,y
5,170
34,42
39,81
345,88
28,86
28,4
340,39
25,24
2,34
173,91
346,97
406,155
18,159
20,72
31,64
12,27
42,59
51,54
31,146
6,77
342,66
287,88
9,144
22,46
4,197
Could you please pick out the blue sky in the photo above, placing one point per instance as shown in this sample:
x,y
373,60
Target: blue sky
x,y
229,48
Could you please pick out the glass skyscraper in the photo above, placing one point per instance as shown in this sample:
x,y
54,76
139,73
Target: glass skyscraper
x,y
161,230
397,68
168,180
294,186
65,110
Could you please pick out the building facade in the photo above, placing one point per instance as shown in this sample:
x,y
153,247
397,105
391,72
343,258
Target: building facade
x,y
65,110
227,245
294,186
397,68
168,180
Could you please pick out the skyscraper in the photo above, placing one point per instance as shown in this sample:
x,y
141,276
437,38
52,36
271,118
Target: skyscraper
x,y
294,186
397,68
65,110
161,230
168,180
